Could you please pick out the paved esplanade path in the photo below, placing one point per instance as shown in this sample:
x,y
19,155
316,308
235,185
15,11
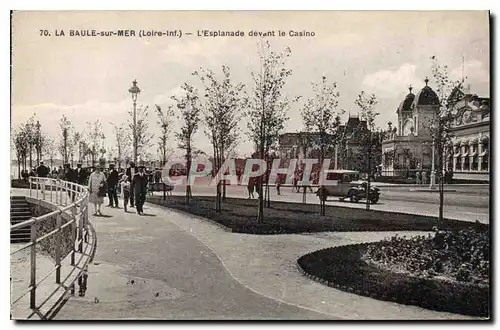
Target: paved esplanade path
x,y
169,265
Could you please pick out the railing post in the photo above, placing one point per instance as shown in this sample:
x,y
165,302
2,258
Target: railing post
x,y
80,230
30,181
33,267
42,187
58,249
73,237
36,187
66,193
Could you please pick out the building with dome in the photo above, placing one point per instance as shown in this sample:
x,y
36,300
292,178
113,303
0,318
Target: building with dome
x,y
408,145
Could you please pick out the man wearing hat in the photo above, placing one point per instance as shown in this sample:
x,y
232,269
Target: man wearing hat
x,y
131,172
140,187
80,174
71,176
112,182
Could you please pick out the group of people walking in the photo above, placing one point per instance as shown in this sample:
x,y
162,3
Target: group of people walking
x,y
133,184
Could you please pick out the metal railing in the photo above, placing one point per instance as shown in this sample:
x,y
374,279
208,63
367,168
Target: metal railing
x,y
70,202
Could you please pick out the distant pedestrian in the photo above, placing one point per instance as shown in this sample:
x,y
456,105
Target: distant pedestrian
x,y
418,177
140,184
112,182
251,187
424,177
97,187
278,185
125,188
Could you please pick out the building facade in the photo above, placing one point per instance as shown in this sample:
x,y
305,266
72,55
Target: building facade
x,y
470,155
346,153
408,146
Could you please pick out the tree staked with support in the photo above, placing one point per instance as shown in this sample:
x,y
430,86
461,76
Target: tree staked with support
x,y
368,140
221,105
189,107
321,118
268,106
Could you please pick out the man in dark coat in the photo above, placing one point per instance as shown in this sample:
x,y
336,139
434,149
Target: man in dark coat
x,y
71,176
42,170
112,182
80,175
131,171
140,187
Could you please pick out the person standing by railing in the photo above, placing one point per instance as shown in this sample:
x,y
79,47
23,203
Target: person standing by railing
x,y
97,188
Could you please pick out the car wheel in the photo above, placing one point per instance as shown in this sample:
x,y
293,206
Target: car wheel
x,y
354,198
374,200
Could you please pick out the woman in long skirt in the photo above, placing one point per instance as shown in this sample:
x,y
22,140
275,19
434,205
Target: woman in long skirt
x,y
97,180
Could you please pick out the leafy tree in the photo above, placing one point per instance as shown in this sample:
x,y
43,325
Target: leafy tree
x,y
268,106
221,106
321,117
190,110
21,146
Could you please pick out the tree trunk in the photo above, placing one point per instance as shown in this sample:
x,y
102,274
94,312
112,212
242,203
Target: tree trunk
x,y
188,186
18,167
441,184
31,157
369,175
322,201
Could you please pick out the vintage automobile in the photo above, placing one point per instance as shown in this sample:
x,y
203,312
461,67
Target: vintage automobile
x,y
348,186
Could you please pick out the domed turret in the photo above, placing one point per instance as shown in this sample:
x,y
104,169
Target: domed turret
x,y
405,105
426,96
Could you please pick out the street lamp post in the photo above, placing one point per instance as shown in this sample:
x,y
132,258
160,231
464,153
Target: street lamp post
x,y
134,91
433,174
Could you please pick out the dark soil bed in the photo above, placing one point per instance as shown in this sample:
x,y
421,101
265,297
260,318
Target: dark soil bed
x,y
343,268
240,215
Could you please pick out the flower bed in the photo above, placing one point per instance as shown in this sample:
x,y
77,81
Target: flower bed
x,y
452,255
345,268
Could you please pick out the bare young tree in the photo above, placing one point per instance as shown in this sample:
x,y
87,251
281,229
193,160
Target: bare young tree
x,y
65,142
221,106
94,135
190,110
268,106
77,138
165,123
122,143
440,124
143,136
321,117
50,149
366,104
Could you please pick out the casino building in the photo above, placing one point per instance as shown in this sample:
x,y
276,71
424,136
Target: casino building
x,y
408,146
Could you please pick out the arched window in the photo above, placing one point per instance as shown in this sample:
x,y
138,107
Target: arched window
x,y
485,155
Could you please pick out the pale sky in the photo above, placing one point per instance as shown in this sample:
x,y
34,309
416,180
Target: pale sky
x,y
88,77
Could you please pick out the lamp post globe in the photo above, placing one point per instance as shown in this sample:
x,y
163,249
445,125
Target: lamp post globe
x,y
134,92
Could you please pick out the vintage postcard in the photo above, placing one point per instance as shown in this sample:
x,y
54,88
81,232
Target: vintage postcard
x,y
250,165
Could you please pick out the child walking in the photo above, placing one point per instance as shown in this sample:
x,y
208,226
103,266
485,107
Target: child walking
x,y
125,188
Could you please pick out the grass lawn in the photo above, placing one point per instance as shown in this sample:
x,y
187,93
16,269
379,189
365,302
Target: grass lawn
x,y
240,215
